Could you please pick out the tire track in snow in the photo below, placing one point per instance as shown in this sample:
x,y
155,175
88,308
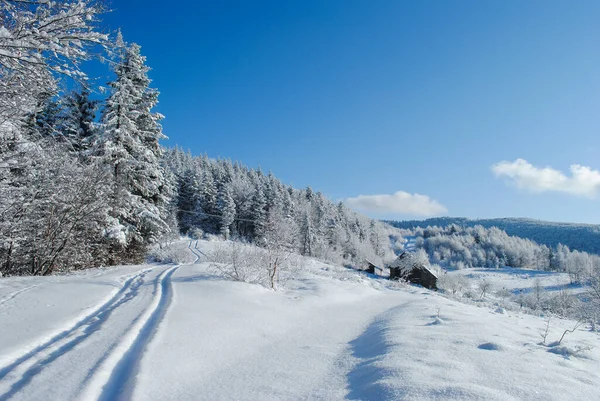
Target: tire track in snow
x,y
115,379
16,293
197,252
24,368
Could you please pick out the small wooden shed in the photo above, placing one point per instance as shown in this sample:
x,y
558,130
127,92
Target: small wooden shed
x,y
372,268
408,267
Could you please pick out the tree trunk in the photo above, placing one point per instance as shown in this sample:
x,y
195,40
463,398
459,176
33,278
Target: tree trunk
x,y
274,273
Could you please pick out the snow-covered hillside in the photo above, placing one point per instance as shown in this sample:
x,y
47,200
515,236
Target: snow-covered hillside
x,y
582,237
518,281
181,332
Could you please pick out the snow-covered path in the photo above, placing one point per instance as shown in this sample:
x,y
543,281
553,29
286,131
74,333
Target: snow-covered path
x,y
109,338
274,346
165,332
107,352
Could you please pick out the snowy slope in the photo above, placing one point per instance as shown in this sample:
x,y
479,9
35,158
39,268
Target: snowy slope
x,y
165,332
520,280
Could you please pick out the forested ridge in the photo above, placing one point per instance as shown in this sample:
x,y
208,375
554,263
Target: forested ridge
x,y
455,247
581,237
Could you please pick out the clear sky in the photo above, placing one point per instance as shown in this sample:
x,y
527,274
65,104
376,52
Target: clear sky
x,y
482,107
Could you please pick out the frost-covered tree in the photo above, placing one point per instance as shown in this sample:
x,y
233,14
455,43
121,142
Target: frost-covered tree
x,y
279,241
226,207
259,215
51,208
129,144
189,203
78,120
45,120
55,222
210,196
40,40
306,235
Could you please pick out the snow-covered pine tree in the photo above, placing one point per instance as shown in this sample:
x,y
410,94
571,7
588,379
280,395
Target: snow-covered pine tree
x,y
130,145
272,192
209,196
47,120
306,235
258,215
189,203
78,120
242,193
226,207
287,204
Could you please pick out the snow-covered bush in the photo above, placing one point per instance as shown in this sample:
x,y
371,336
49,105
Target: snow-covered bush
x,y
251,264
503,294
562,303
453,283
171,253
196,233
236,261
484,287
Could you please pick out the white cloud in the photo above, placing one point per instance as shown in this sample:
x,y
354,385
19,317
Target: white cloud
x,y
401,203
583,181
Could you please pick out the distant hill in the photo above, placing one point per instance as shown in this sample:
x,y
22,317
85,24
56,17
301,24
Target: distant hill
x,y
582,237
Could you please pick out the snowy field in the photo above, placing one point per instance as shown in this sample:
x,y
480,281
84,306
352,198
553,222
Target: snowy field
x,y
181,332
520,280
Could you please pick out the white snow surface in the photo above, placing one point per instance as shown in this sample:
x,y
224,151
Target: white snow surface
x,y
180,332
520,280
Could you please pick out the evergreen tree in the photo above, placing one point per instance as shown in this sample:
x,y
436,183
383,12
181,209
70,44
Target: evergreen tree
x,y
189,204
44,120
226,207
306,235
259,215
287,204
209,197
130,145
78,119
48,120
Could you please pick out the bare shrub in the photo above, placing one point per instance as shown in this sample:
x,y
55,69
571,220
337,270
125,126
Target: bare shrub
x,y
237,261
453,283
544,335
503,293
484,287
579,323
171,252
250,264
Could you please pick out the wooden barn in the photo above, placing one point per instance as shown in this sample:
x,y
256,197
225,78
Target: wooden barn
x,y
372,268
408,267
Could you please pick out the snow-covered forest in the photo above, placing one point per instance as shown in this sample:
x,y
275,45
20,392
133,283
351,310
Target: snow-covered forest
x,y
85,182
464,247
581,237
229,199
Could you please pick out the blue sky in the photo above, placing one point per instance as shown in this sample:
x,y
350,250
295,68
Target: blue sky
x,y
375,97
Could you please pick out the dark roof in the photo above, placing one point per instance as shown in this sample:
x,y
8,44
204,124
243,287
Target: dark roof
x,y
405,260
428,268
373,264
409,261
